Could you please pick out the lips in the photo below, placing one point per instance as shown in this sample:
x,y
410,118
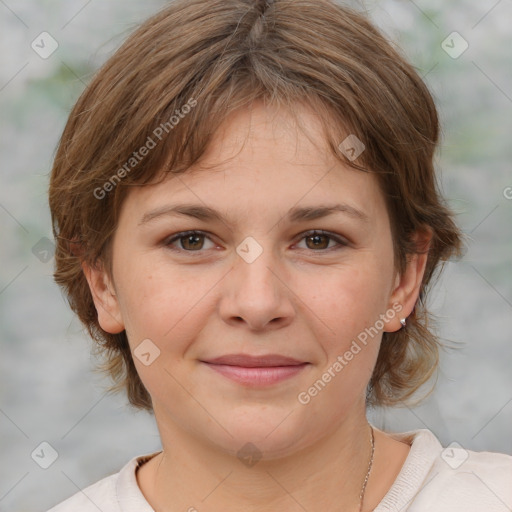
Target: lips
x,y
256,371
248,361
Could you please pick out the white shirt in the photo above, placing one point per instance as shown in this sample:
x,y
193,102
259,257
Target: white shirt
x,y
432,479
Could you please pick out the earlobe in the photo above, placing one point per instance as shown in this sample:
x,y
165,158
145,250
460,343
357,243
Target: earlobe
x,y
407,286
104,297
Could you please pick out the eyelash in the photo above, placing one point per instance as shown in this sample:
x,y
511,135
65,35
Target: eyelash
x,y
183,234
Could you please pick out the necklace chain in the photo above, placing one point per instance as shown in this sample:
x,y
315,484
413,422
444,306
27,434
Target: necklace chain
x,y
361,495
370,464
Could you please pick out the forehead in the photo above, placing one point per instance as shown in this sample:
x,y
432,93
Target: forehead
x,y
263,159
296,136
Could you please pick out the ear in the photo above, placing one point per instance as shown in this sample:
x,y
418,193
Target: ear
x,y
105,299
407,285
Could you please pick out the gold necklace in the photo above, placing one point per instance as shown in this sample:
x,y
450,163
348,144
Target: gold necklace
x,y
370,464
361,495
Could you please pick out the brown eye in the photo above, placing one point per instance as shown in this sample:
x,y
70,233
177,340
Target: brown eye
x,y
188,241
192,242
317,241
320,241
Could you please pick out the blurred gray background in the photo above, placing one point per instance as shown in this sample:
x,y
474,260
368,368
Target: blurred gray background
x,y
49,392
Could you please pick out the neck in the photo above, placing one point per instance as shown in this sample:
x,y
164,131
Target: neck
x,y
328,474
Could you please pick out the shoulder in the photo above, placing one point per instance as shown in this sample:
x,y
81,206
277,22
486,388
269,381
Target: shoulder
x,y
115,493
472,480
101,495
449,479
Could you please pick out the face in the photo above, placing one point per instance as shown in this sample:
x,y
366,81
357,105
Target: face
x,y
278,250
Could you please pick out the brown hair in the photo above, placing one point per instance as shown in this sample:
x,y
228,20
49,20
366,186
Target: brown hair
x,y
176,79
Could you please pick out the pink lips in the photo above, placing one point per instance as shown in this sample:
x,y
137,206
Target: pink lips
x,y
256,370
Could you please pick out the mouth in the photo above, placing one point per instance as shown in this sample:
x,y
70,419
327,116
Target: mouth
x,y
256,370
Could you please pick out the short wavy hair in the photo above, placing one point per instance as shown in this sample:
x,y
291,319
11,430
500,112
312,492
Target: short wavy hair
x,y
217,56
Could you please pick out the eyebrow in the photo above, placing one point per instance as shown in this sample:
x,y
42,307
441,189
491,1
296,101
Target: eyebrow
x,y
295,214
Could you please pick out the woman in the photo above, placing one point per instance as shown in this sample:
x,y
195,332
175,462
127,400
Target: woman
x,y
248,221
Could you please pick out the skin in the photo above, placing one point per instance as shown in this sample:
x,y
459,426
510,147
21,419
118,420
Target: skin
x,y
302,297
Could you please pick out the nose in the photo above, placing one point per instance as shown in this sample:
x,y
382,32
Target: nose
x,y
257,294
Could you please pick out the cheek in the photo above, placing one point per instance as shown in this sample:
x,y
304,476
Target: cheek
x,y
168,308
354,295
154,300
168,304
349,305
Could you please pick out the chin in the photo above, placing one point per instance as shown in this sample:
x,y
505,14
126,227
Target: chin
x,y
269,436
